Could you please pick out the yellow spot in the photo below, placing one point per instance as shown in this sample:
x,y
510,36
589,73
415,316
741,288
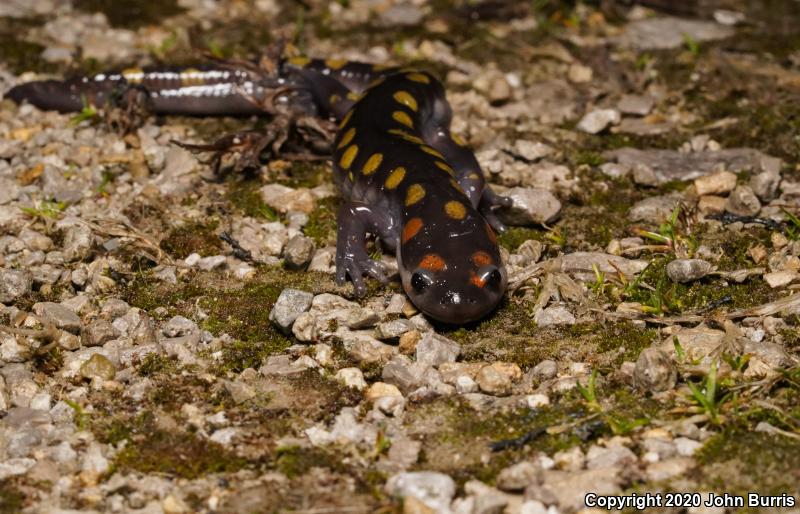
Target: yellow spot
x,y
299,61
348,156
378,81
414,194
474,176
352,95
432,151
455,210
411,229
334,99
405,135
405,98
372,163
401,117
350,176
335,64
456,186
381,67
133,75
444,167
395,177
346,118
346,138
418,77
458,140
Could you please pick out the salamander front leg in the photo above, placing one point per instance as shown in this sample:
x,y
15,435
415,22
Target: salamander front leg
x,y
491,201
355,220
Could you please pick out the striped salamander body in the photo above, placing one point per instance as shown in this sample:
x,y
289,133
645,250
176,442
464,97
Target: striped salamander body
x,y
402,175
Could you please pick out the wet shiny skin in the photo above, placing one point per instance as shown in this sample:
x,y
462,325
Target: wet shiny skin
x,y
402,175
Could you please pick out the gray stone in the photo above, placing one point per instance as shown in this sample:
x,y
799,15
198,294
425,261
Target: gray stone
x,y
392,330
545,370
59,315
598,120
433,489
654,371
717,183
637,105
765,185
179,326
435,349
519,476
688,270
671,165
497,378
98,366
291,303
362,317
614,455
570,488
669,32
14,283
554,315
239,391
298,252
532,150
743,201
98,332
114,308
532,206
404,374
655,209
352,377
77,242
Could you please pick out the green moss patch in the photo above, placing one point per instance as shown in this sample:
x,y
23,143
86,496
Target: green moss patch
x,y
739,460
193,237
321,226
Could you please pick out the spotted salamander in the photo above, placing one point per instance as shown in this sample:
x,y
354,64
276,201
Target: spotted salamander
x,y
402,175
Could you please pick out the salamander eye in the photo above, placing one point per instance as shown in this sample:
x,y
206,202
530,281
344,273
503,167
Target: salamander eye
x,y
491,276
420,281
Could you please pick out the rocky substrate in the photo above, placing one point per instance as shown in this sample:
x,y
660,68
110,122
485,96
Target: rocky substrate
x,y
173,341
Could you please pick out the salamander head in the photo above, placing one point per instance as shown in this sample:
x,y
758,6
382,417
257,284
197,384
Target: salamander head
x,y
451,267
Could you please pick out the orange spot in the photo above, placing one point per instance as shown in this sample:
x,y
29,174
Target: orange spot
x,y
475,280
481,259
432,262
411,229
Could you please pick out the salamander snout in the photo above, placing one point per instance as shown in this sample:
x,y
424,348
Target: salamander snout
x,y
458,294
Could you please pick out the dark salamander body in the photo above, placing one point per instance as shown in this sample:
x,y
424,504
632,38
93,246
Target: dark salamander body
x,y
402,175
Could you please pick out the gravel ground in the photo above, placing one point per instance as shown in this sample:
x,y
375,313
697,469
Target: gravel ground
x,y
173,341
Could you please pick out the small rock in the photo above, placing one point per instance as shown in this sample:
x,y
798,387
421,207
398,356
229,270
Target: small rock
x,y
655,209
98,366
497,378
613,455
636,105
519,476
14,283
98,332
688,270
433,489
654,371
598,120
59,315
717,183
532,150
555,315
545,370
435,349
408,342
579,74
179,326
644,175
298,252
392,330
669,468
743,201
711,204
352,377
361,317
239,391
765,185
290,304
381,389
780,278
532,206
465,384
